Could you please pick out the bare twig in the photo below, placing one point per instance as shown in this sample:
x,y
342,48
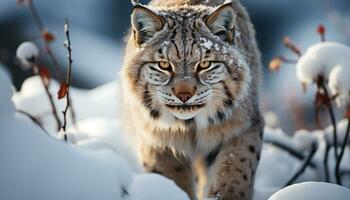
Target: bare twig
x,y
304,165
296,154
42,31
328,103
288,60
48,94
288,43
34,119
325,162
337,166
322,31
67,44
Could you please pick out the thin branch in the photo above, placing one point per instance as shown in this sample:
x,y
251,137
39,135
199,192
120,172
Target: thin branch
x,y
68,78
48,94
296,154
334,124
289,44
325,162
337,166
288,60
47,47
34,120
303,166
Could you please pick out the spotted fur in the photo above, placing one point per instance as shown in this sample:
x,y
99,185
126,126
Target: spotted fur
x,y
183,112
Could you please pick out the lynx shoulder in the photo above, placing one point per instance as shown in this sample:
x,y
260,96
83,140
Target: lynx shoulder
x,y
190,78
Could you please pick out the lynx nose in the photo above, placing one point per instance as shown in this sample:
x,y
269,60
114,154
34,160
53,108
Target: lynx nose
x,y
184,91
184,96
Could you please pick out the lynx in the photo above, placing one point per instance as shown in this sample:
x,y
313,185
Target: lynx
x,y
190,82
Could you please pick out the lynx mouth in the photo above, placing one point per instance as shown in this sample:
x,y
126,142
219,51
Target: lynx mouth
x,y
185,107
185,112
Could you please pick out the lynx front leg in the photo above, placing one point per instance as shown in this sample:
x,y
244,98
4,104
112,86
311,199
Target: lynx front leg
x,y
231,176
177,168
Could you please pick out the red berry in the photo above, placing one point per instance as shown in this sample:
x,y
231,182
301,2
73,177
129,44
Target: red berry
x,y
321,29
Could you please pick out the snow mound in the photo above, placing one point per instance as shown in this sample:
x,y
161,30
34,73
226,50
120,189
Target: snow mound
x,y
339,84
143,188
312,190
320,59
104,134
341,132
27,53
101,102
35,166
6,106
271,119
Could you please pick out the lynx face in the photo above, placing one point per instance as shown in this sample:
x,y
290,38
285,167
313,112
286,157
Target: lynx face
x,y
187,63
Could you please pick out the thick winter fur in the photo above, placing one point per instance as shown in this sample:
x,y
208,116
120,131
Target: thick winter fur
x,y
190,87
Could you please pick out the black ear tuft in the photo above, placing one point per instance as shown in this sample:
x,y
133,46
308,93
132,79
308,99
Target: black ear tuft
x,y
145,24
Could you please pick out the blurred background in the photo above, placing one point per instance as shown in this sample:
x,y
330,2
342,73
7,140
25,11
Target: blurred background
x,y
98,28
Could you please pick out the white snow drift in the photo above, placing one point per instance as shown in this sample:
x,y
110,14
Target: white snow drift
x,y
311,191
35,166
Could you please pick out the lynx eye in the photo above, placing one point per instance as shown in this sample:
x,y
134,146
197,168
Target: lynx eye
x,y
164,65
204,65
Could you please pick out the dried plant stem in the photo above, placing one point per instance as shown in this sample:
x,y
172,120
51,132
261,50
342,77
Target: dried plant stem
x,y
303,166
34,119
288,60
334,124
47,47
340,157
325,162
48,94
68,78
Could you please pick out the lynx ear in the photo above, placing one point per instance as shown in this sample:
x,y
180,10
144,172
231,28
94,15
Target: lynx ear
x,y
145,24
222,21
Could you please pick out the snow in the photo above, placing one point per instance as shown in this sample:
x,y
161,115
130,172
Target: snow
x,y
341,131
37,166
103,133
208,44
304,140
320,59
271,119
276,167
312,190
102,102
339,84
143,188
6,90
27,52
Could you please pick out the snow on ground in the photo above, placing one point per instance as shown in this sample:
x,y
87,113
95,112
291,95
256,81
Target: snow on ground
x,y
312,190
100,161
37,166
